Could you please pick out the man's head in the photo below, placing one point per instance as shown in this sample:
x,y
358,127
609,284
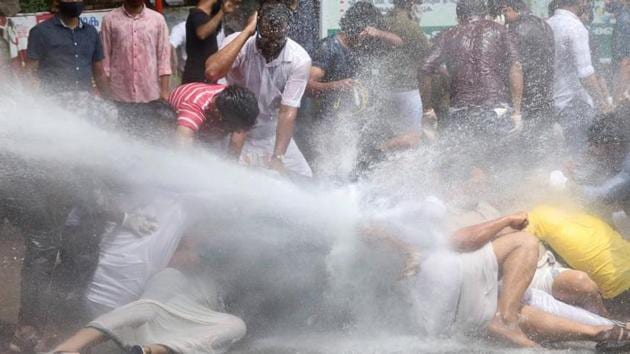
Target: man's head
x,y
69,8
608,139
237,107
471,8
273,28
359,16
511,9
578,7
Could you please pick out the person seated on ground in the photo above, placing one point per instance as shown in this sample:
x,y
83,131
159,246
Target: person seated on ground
x,y
126,261
177,313
467,190
456,290
213,111
590,245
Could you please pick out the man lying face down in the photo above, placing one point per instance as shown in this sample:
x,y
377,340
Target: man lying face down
x,y
456,290
177,313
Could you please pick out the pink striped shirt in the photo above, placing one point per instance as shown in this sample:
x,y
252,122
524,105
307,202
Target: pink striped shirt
x,y
137,53
193,104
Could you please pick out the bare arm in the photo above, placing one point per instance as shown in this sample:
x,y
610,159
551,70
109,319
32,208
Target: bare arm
x,y
284,131
210,27
184,136
592,86
31,73
220,63
473,237
316,87
388,37
101,79
375,233
237,140
165,90
516,86
623,80
83,338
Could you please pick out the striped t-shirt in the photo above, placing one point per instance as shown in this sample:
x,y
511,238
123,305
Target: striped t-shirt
x,y
193,104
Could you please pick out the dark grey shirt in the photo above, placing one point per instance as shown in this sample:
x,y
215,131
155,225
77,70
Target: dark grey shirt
x,y
65,55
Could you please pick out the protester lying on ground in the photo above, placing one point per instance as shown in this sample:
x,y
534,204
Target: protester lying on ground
x,y
212,112
466,193
177,313
457,291
590,245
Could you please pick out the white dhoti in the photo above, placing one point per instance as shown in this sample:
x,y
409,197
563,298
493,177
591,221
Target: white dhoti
x,y
176,312
258,151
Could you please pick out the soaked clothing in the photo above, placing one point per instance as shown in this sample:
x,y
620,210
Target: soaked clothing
x,y
178,311
573,59
478,55
456,292
194,106
403,63
127,261
536,46
339,63
585,243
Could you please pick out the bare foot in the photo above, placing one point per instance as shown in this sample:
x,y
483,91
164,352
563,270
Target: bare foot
x,y
510,333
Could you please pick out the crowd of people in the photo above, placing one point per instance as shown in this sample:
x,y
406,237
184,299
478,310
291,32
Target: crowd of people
x,y
502,89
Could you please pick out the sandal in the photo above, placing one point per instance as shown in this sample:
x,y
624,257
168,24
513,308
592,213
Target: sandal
x,y
614,340
24,340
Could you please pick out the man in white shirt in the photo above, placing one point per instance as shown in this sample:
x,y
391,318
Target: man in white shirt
x,y
276,70
577,94
127,261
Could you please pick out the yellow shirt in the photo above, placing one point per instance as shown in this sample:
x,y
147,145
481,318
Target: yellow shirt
x,y
586,243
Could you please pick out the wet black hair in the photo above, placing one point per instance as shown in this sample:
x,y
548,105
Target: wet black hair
x,y
359,16
275,14
238,107
468,8
405,3
608,129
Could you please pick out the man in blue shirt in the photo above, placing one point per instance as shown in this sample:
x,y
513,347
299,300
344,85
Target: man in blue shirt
x,y
65,53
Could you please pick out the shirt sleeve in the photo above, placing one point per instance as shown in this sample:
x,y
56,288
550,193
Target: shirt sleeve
x,y
296,84
323,56
98,49
178,35
163,50
582,53
36,46
106,42
190,116
197,19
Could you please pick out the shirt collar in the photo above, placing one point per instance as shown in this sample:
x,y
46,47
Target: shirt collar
x,y
59,22
562,12
133,16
